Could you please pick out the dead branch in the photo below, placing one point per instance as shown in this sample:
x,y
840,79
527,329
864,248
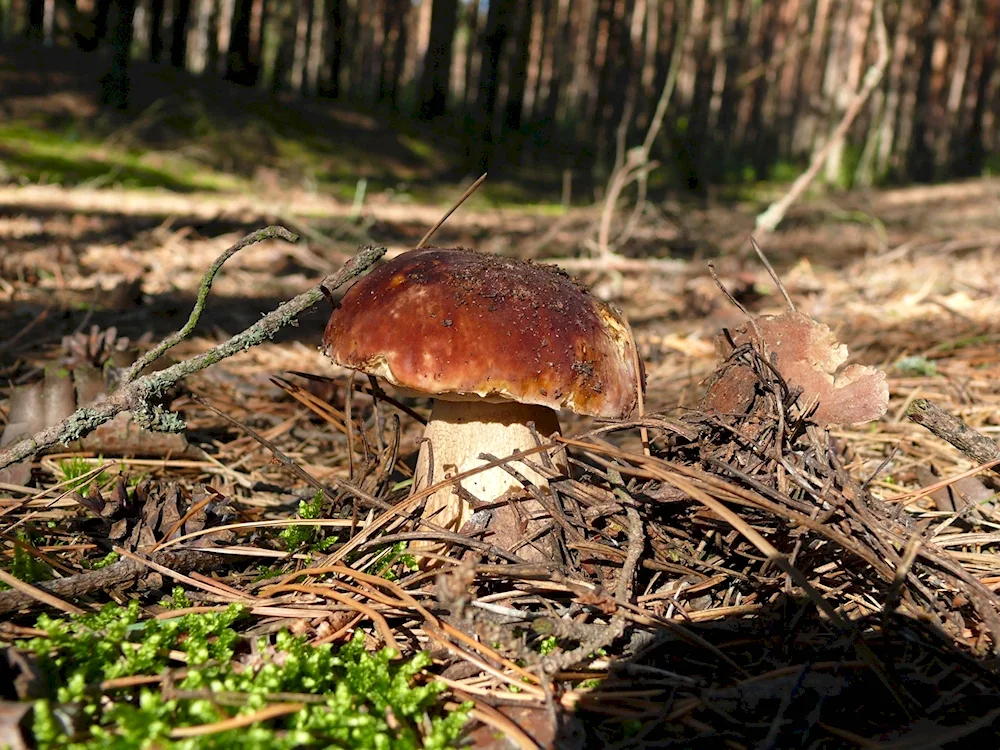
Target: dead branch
x,y
636,165
142,396
116,574
971,442
769,220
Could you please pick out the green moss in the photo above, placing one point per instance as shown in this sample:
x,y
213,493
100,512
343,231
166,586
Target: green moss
x,y
25,566
368,700
298,536
383,564
547,645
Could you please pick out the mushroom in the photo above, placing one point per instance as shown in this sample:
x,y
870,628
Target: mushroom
x,y
499,344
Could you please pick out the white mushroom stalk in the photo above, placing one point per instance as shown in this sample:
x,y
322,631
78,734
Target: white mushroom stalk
x,y
458,432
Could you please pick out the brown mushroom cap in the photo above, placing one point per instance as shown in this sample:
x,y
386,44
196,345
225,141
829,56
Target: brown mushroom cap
x,y
456,323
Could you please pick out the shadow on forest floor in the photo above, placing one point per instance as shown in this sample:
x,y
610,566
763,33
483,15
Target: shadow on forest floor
x,y
184,132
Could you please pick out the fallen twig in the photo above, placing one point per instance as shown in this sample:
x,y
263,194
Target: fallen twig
x,y
116,574
142,395
971,442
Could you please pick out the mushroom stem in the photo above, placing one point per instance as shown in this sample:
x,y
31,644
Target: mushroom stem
x,y
457,433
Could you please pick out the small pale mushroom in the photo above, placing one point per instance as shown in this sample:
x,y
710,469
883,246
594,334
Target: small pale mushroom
x,y
499,344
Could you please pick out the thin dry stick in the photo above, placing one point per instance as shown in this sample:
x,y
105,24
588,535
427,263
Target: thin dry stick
x,y
403,507
653,466
380,622
142,396
245,720
774,276
769,220
116,574
171,573
288,463
909,497
471,189
736,302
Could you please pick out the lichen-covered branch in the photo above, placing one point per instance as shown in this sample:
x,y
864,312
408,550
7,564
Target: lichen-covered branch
x,y
143,395
267,233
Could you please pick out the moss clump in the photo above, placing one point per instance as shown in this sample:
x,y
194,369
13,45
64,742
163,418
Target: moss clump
x,y
369,701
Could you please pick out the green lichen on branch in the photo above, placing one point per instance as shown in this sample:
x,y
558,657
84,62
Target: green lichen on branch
x,y
80,423
155,417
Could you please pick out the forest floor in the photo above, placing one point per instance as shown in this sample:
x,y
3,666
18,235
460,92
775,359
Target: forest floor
x,y
720,647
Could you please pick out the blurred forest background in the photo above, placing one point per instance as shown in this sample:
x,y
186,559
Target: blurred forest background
x,y
537,91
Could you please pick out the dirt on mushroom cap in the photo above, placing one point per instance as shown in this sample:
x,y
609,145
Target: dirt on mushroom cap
x,y
456,322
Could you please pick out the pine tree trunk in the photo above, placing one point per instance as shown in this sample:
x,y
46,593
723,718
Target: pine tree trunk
x,y
285,52
211,40
517,72
115,84
535,57
239,66
893,100
970,150
330,87
497,30
920,157
560,69
473,58
156,8
393,51
810,120
179,29
35,19
435,79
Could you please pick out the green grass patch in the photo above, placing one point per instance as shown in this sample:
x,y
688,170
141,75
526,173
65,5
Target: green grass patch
x,y
73,472
34,154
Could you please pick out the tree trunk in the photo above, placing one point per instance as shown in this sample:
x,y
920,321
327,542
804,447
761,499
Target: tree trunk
x,y
560,60
156,8
98,28
330,87
970,150
535,56
436,77
810,109
240,68
211,41
285,52
472,59
517,72
178,33
300,47
115,83
497,30
393,51
920,158
35,19
896,75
